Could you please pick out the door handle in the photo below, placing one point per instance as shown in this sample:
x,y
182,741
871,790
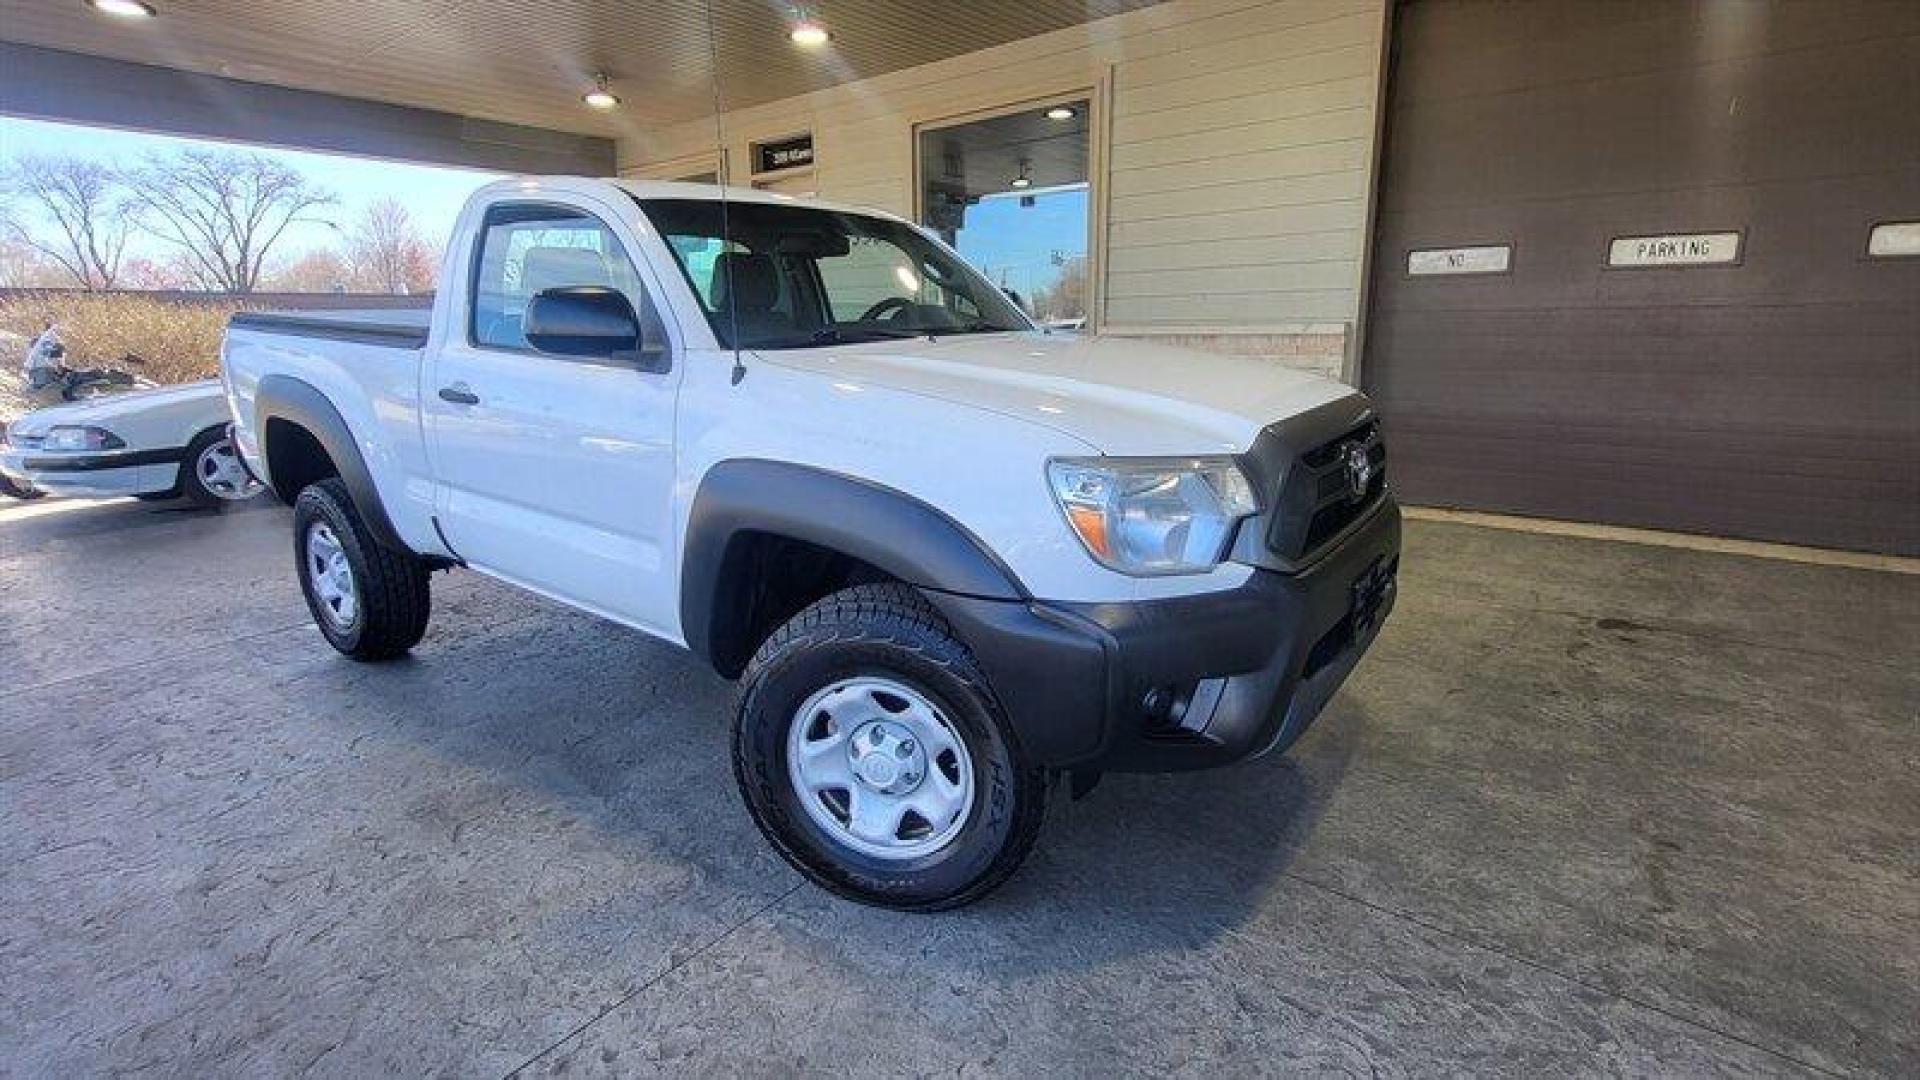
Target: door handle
x,y
459,395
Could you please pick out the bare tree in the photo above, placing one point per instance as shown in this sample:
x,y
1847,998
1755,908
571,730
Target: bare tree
x,y
223,209
24,267
142,274
319,270
387,252
1065,297
83,208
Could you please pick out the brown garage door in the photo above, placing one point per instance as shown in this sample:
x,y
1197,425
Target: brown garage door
x,y
1776,399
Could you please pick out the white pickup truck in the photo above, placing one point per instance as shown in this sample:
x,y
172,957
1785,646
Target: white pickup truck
x,y
950,557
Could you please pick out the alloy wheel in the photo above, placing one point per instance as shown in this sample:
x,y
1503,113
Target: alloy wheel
x,y
222,473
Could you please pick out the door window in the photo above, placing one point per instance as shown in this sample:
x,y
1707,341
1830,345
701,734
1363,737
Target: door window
x,y
525,250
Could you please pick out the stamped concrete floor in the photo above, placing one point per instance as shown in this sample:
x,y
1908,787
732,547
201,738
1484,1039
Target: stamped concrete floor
x,y
1588,808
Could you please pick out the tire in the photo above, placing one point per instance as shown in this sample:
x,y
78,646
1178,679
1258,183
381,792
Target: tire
x,y
861,653
15,489
389,603
211,474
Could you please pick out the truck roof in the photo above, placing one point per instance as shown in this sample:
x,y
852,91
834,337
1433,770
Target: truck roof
x,y
668,189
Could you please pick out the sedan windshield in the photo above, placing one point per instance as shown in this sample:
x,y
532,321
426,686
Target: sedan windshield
x,y
793,277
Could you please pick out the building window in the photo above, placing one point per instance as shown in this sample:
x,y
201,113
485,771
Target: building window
x,y
1011,193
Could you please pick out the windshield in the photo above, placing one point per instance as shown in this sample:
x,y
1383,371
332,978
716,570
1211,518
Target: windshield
x,y
792,277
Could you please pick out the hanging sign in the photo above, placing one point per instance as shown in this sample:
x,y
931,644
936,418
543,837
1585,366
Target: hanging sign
x,y
786,154
1676,249
1487,259
1894,239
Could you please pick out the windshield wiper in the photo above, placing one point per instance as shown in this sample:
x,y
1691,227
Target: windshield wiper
x,y
978,326
834,335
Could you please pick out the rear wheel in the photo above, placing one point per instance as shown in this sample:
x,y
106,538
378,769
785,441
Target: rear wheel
x,y
371,602
872,753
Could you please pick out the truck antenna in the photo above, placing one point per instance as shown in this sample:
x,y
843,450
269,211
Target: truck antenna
x,y
726,233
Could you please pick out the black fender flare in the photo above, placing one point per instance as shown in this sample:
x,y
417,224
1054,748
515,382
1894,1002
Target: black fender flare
x,y
888,529
300,403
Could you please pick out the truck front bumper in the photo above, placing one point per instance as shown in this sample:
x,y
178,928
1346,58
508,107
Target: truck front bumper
x,y
1190,682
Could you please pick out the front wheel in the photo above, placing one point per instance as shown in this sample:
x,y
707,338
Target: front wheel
x,y
18,489
370,601
873,755
212,474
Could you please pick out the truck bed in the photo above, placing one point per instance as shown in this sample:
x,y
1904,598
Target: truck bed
x,y
400,328
364,368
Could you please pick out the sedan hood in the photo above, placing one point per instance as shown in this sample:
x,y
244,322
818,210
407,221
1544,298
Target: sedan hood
x,y
103,410
1117,395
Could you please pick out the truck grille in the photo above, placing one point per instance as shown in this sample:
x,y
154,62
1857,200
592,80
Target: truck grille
x,y
1326,488
1304,469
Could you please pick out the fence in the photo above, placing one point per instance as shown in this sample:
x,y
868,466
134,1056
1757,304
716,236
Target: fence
x,y
276,301
176,335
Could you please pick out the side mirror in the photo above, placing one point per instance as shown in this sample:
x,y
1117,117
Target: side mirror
x,y
590,322
1015,297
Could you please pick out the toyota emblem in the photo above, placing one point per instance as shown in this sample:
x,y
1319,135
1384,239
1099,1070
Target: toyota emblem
x,y
1359,469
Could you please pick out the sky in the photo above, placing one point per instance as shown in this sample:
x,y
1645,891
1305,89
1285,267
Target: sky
x,y
432,195
1012,243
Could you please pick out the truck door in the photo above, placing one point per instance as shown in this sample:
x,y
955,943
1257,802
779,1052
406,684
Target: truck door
x,y
553,472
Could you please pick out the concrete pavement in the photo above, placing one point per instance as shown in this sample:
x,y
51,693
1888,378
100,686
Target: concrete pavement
x,y
1589,808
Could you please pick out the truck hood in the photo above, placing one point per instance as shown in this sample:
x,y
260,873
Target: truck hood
x,y
1117,395
103,410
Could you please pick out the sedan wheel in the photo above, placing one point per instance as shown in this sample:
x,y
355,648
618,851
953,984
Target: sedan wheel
x,y
212,474
19,489
220,471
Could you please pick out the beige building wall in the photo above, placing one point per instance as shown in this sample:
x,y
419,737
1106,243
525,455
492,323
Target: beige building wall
x,y
1233,151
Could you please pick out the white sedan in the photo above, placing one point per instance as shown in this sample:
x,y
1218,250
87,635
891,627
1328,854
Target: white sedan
x,y
155,444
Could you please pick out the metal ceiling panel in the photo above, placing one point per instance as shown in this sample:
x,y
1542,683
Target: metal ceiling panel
x,y
528,61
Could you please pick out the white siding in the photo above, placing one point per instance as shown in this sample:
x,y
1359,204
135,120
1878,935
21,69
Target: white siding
x,y
1237,163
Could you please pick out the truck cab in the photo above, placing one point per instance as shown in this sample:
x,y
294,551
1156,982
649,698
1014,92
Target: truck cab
x,y
949,555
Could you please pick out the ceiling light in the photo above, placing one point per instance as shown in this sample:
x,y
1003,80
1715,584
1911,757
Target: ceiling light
x,y
123,9
600,97
809,35
1061,112
1022,180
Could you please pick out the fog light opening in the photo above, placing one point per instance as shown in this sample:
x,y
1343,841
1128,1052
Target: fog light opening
x,y
1165,706
1181,707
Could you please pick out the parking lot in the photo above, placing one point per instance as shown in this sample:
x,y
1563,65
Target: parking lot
x,y
1588,807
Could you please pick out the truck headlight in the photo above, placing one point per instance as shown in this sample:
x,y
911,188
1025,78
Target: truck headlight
x,y
1145,516
74,437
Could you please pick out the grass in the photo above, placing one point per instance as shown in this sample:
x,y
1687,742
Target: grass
x,y
180,342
